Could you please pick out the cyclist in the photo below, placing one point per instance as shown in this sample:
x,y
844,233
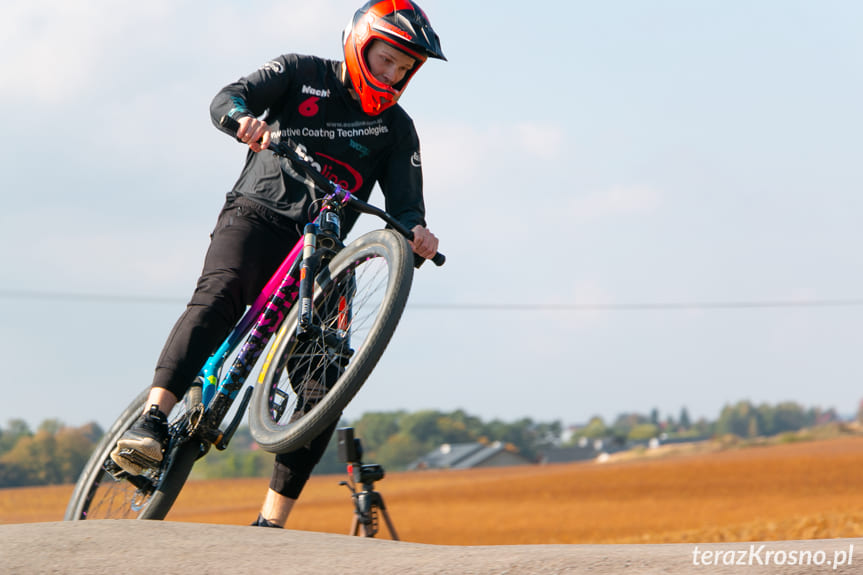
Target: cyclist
x,y
346,120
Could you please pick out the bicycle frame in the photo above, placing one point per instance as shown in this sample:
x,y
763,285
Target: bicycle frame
x,y
263,318
283,281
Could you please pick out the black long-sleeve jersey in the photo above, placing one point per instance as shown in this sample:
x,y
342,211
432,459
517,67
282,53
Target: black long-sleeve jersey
x,y
305,99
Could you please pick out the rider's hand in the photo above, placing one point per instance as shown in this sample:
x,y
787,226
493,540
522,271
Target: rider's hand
x,y
425,243
251,130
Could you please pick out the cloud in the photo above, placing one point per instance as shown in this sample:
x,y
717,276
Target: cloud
x,y
568,291
612,202
457,156
484,184
83,251
521,170
55,50
538,141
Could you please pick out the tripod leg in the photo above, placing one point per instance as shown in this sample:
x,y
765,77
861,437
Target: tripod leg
x,y
387,520
390,526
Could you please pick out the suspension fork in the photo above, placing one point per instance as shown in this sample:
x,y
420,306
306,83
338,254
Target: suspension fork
x,y
308,271
327,229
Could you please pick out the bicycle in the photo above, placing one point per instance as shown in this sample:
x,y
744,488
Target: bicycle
x,y
332,308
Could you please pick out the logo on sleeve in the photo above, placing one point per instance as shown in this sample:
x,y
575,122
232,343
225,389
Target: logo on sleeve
x,y
415,160
273,66
362,150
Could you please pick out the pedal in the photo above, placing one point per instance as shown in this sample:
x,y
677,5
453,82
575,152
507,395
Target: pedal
x,y
114,470
279,403
137,459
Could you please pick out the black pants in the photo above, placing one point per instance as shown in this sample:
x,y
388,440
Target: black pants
x,y
246,247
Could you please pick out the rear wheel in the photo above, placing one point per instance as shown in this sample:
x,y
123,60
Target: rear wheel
x,y
104,491
306,381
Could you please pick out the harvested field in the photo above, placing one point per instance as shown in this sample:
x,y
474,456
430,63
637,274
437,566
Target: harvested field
x,y
810,490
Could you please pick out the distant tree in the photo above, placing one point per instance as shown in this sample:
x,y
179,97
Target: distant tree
x,y
72,449
789,416
753,430
399,451
702,427
236,461
594,429
374,428
330,462
50,426
15,429
13,475
54,454
549,433
423,427
625,422
525,435
737,420
34,455
643,432
745,420
684,421
453,429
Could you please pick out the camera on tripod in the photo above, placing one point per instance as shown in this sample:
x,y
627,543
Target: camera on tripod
x,y
351,452
368,504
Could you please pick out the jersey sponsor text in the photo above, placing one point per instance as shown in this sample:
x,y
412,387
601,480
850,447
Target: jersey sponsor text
x,y
306,89
332,134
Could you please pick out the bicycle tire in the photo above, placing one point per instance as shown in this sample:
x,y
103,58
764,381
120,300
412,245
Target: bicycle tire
x,y
99,495
173,480
376,271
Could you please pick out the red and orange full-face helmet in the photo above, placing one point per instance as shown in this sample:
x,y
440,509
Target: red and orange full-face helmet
x,y
400,23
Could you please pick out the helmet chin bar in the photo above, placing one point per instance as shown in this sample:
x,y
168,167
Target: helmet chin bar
x,y
375,96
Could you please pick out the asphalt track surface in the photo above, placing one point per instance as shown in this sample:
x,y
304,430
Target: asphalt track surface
x,y
155,547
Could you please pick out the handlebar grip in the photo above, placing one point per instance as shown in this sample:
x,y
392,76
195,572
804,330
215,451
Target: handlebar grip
x,y
229,124
439,259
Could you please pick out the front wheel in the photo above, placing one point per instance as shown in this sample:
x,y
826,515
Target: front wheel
x,y
306,381
104,491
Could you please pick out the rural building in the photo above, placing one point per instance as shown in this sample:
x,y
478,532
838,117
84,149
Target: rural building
x,y
469,456
568,454
586,449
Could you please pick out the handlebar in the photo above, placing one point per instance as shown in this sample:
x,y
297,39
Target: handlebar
x,y
287,148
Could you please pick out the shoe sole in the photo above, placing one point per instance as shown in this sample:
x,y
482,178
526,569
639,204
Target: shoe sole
x,y
136,456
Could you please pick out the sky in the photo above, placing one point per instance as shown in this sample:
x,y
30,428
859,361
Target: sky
x,y
643,204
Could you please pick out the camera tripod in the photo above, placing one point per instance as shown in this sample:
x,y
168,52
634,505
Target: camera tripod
x,y
369,507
